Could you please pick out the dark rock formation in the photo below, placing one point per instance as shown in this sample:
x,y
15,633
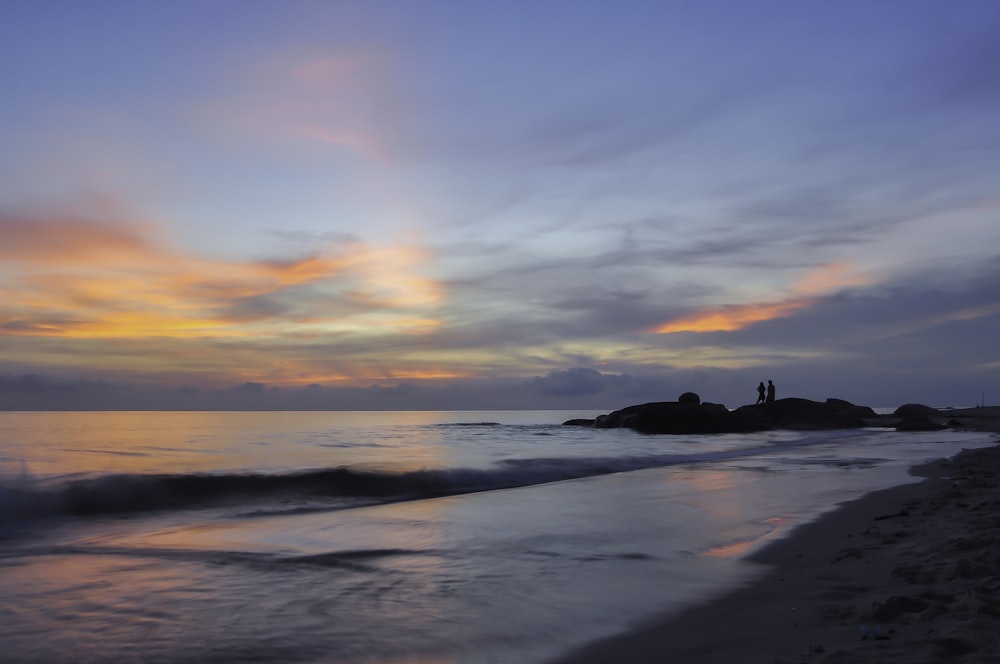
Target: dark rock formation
x,y
914,410
689,415
674,417
919,424
918,417
689,398
807,415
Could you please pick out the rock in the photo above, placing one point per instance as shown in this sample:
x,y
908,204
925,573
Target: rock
x,y
689,415
914,410
918,417
579,422
804,415
919,424
684,418
675,417
848,408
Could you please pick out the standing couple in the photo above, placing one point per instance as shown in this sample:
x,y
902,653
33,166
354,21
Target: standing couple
x,y
761,392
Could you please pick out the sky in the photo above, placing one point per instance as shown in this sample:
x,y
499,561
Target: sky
x,y
438,204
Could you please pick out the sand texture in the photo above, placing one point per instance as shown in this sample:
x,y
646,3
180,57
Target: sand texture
x,y
909,574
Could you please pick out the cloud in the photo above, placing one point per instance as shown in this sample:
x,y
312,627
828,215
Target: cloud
x,y
400,390
32,384
32,391
733,317
505,325
251,387
347,102
825,279
571,382
583,384
61,240
942,315
104,275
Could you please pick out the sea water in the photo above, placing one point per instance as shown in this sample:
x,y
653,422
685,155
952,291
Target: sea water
x,y
391,537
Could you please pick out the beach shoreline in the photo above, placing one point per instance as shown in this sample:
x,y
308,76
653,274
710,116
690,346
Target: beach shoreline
x,y
905,574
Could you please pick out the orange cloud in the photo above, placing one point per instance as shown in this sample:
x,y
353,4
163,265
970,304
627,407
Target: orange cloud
x,y
64,277
60,236
804,293
307,377
733,317
296,370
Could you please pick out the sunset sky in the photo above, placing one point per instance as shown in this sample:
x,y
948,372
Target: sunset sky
x,y
452,205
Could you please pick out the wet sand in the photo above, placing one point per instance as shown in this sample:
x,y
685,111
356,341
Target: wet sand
x,y
908,574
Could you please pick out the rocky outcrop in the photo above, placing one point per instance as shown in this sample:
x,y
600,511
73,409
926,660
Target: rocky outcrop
x,y
689,415
807,415
674,417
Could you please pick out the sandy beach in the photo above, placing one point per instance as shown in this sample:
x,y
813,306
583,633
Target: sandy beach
x,y
907,574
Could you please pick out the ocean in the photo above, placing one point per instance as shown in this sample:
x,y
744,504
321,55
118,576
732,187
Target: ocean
x,y
391,537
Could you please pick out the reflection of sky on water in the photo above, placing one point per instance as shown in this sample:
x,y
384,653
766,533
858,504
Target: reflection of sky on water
x,y
512,575
184,442
527,568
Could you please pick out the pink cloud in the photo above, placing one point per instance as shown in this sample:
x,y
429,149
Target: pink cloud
x,y
347,102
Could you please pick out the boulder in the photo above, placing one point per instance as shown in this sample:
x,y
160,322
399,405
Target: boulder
x,y
914,410
676,417
805,415
848,408
918,417
684,418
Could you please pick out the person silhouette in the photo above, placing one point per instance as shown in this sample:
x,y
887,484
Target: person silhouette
x,y
770,392
760,393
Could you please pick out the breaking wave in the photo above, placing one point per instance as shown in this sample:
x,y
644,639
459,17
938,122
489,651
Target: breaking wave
x,y
22,497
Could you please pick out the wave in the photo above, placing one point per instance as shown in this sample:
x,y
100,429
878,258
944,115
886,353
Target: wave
x,y
468,424
350,559
122,493
22,497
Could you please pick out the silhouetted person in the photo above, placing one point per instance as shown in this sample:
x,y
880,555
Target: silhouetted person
x,y
770,391
760,393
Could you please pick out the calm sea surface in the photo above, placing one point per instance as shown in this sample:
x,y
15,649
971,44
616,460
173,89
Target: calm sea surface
x,y
390,537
